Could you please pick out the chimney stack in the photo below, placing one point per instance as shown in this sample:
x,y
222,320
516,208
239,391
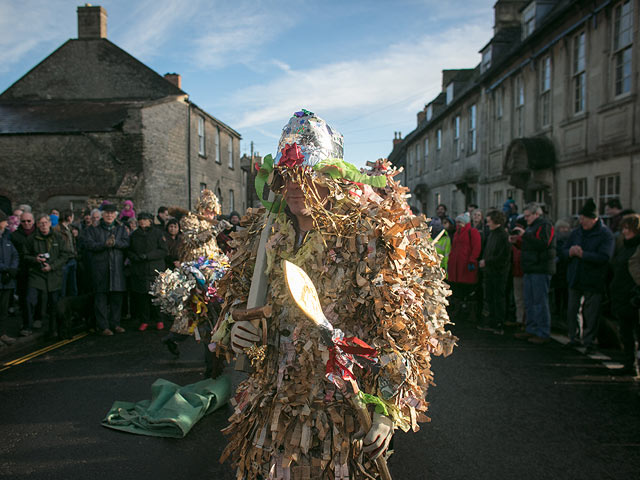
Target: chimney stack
x,y
506,13
397,138
92,22
174,78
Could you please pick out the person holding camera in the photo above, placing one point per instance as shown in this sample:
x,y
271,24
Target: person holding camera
x,y
625,298
8,274
46,255
105,244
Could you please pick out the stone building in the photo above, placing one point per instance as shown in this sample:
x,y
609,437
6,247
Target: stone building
x,y
91,122
550,114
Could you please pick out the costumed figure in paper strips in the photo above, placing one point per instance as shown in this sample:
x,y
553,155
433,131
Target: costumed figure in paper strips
x,y
189,293
380,283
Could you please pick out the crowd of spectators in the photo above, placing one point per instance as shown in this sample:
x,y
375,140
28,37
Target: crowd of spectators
x,y
508,270
111,256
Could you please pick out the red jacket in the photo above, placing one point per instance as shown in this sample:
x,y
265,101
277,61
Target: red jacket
x,y
463,259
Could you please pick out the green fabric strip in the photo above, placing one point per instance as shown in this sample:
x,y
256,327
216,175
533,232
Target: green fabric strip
x,y
172,411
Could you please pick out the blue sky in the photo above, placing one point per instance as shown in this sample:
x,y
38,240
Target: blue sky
x,y
366,67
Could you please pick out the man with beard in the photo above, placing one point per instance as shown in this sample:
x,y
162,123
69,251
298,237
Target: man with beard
x,y
105,244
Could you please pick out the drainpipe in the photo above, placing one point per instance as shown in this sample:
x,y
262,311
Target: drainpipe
x,y
189,153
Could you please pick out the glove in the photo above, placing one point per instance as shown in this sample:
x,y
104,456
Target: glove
x,y
377,440
244,335
111,241
471,267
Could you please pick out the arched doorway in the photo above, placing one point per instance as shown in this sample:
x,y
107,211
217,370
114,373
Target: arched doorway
x,y
529,164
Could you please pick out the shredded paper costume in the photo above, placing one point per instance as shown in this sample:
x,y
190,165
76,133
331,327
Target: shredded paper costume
x,y
380,284
188,292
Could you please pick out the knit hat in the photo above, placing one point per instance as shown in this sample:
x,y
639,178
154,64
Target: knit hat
x,y
145,216
463,218
436,226
108,207
589,209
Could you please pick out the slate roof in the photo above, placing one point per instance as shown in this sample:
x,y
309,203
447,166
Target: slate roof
x,y
62,117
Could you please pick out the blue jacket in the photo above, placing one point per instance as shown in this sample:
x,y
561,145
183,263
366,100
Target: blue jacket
x,y
589,273
8,262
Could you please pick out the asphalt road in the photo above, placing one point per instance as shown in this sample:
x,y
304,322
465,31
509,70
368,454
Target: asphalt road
x,y
502,409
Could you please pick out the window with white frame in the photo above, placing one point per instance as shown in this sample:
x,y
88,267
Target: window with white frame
x,y
410,161
429,112
456,137
486,60
232,201
497,198
217,144
579,72
622,46
449,93
230,151
419,157
472,138
498,109
426,154
201,139
529,20
608,187
576,194
219,195
438,146
519,104
437,199
545,91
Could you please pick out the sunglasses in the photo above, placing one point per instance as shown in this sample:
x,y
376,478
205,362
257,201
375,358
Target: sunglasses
x,y
26,221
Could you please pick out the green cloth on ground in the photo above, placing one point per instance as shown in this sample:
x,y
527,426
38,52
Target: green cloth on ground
x,y
172,411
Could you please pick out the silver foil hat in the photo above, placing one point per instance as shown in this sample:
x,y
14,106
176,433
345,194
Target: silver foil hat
x,y
306,140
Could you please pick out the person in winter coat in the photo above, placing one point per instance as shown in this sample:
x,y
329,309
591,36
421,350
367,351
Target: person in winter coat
x,y
463,263
495,261
538,260
127,210
623,289
19,239
516,271
147,252
8,274
70,270
173,239
443,246
46,254
589,250
105,244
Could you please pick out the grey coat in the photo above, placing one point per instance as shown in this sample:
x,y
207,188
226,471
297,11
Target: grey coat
x,y
106,263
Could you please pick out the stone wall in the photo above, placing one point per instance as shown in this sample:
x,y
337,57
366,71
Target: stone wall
x,y
165,155
39,167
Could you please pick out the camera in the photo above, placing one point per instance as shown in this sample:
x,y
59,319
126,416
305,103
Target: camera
x,y
46,256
